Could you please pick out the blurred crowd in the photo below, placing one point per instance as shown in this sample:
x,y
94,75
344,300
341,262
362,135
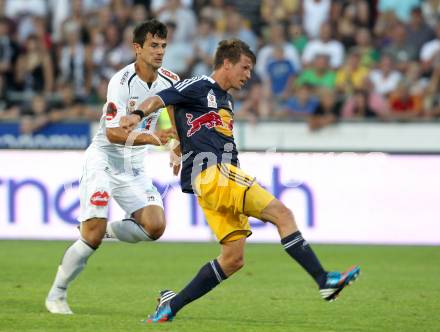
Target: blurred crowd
x,y
319,61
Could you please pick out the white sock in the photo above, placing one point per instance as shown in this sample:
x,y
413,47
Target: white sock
x,y
127,230
74,261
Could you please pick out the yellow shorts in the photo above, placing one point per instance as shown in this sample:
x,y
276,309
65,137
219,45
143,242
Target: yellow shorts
x,y
227,196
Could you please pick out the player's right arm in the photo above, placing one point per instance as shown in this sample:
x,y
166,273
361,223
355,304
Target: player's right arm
x,y
120,136
172,96
148,106
115,109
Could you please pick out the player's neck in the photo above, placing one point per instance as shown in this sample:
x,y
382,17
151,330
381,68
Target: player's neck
x,y
146,73
221,80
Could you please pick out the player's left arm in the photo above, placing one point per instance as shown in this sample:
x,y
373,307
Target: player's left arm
x,y
164,98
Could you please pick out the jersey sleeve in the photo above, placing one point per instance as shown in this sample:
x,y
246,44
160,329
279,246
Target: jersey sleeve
x,y
181,93
117,100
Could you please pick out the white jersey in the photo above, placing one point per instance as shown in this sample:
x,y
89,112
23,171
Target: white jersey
x,y
126,91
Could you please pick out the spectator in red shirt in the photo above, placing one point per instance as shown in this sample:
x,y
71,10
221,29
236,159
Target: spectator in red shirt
x,y
405,105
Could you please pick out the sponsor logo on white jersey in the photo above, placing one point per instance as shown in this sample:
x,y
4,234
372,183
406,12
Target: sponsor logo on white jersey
x,y
100,198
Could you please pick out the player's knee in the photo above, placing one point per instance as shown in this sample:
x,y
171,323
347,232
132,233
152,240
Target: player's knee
x,y
93,231
155,231
153,224
285,214
281,212
94,239
286,219
94,242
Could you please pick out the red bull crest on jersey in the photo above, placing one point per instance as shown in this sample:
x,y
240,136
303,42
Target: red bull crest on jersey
x,y
209,120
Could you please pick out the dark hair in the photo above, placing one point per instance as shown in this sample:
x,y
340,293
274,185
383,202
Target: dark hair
x,y
232,49
153,26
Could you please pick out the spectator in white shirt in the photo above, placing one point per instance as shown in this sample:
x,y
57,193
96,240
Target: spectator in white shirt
x,y
179,53
123,54
325,45
315,13
277,38
15,8
72,60
185,19
205,43
385,78
159,6
138,14
236,28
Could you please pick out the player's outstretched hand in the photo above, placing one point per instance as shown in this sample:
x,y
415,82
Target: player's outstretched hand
x,y
129,122
175,158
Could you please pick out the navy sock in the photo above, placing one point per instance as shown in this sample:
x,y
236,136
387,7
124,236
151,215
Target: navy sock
x,y
299,250
209,276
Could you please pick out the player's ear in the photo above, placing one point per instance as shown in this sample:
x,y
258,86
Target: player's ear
x,y
137,48
227,64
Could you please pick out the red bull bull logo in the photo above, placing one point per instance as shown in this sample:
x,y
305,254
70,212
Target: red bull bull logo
x,y
209,120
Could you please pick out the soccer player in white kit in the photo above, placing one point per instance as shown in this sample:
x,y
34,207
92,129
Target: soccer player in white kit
x,y
114,164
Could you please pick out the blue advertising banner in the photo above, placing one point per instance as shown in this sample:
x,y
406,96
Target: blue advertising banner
x,y
75,135
336,197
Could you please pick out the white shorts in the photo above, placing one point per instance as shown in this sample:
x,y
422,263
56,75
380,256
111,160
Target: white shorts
x,y
99,182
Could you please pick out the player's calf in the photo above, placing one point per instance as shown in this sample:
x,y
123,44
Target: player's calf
x,y
291,239
146,224
127,230
231,258
330,284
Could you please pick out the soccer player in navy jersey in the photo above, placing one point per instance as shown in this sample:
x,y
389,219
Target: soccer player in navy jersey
x,y
201,109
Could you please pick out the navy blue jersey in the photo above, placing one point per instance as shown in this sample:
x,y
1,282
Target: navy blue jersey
x,y
204,123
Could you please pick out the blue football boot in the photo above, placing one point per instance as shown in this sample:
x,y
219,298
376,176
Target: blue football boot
x,y
336,282
163,311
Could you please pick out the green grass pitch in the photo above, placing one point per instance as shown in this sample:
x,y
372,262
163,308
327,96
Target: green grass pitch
x,y
398,290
